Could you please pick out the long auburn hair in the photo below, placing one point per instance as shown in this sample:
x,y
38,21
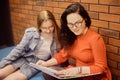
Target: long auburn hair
x,y
47,15
66,36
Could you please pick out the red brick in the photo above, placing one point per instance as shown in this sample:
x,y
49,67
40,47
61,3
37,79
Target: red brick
x,y
16,30
110,2
51,4
114,42
15,22
11,2
94,28
37,8
58,22
99,8
29,7
115,26
18,19
12,19
118,65
105,38
23,1
17,1
99,23
21,15
114,57
14,14
104,1
112,63
17,35
26,16
119,51
64,4
25,11
13,6
26,21
40,3
93,15
90,1
31,2
25,25
114,9
33,22
118,78
115,72
112,49
17,10
109,17
66,0
75,0
35,18
58,10
33,12
47,8
86,6
114,77
109,33
57,16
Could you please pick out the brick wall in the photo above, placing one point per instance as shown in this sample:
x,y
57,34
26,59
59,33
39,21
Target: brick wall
x,y
105,16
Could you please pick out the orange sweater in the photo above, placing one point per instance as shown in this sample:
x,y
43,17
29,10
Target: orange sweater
x,y
88,50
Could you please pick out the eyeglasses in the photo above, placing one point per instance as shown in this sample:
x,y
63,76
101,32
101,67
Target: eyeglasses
x,y
47,28
76,24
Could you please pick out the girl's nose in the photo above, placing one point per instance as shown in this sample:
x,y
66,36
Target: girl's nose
x,y
48,31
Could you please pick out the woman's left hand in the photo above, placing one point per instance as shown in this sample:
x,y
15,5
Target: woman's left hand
x,y
70,71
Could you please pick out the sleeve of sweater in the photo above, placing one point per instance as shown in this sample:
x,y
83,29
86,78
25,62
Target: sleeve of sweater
x,y
61,56
18,50
99,53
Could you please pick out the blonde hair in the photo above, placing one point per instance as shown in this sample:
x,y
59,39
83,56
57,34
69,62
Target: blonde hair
x,y
47,15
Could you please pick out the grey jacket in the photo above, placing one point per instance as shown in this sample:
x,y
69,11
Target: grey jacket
x,y
28,46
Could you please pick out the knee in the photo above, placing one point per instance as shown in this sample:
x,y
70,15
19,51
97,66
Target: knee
x,y
17,78
20,79
14,78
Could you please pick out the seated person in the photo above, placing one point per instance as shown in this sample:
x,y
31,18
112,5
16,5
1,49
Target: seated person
x,y
81,43
38,43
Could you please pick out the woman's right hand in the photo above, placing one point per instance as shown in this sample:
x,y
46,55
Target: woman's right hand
x,y
41,62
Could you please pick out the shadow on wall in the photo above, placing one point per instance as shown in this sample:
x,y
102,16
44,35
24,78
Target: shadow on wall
x,y
6,37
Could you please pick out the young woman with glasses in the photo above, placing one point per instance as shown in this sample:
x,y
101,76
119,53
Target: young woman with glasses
x,y
38,43
81,43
